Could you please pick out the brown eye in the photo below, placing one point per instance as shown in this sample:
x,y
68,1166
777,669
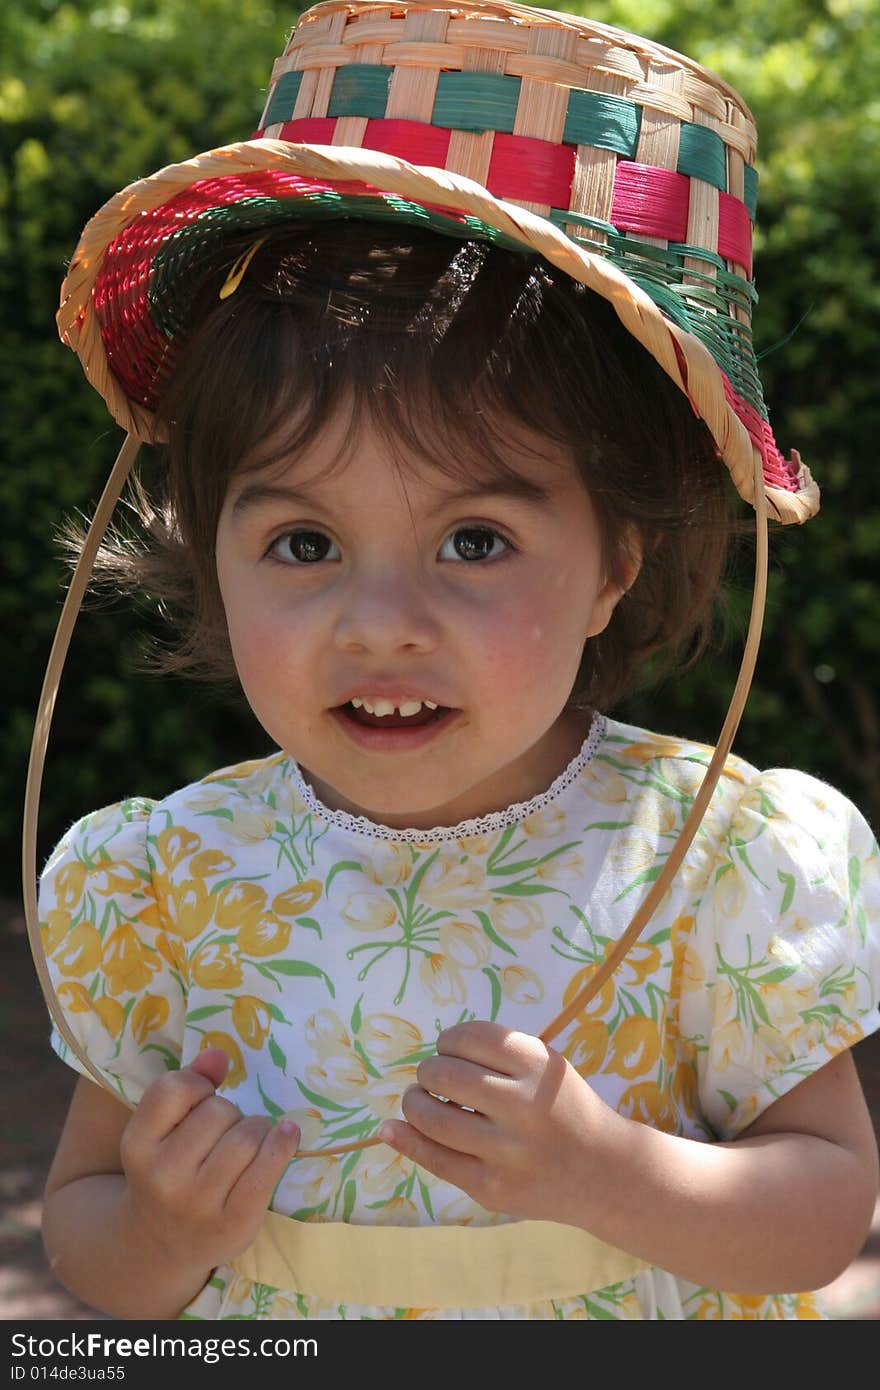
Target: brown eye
x,y
476,543
303,547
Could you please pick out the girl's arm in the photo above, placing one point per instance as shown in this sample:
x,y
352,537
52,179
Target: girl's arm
x,y
783,1208
140,1208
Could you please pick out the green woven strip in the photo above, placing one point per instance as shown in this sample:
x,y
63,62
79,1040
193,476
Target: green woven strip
x,y
179,266
476,101
608,122
361,89
703,308
283,98
750,174
702,155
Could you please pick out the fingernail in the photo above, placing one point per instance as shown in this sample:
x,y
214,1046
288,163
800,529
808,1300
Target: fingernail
x,y
288,1128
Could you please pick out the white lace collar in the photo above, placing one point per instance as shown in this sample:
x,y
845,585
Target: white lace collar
x,y
480,825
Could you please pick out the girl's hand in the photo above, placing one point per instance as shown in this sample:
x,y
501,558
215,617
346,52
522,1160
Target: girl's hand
x,y
519,1130
200,1174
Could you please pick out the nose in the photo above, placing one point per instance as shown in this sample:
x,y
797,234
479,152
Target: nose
x,y
385,611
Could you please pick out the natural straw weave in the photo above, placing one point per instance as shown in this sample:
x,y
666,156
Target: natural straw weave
x,y
627,165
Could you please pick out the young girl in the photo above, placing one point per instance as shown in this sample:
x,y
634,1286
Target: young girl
x,y
432,498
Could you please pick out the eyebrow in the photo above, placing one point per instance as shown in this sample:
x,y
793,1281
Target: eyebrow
x,y
517,489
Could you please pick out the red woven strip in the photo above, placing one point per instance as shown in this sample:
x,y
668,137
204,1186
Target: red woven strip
x,y
778,472
734,231
531,171
650,202
521,167
311,130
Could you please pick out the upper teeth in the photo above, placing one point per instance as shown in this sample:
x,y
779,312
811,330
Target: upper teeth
x,y
388,706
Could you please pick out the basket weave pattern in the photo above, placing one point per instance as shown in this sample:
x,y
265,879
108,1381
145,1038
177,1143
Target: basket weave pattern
x,y
635,155
635,152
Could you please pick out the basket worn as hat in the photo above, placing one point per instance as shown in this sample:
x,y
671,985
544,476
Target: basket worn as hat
x,y
627,165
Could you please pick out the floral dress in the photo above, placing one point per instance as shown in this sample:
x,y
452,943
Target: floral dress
x,y
325,952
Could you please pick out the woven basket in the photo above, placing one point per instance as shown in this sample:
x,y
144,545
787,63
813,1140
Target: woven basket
x,y
626,164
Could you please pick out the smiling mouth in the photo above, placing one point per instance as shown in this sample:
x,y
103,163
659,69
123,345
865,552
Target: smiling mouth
x,y
395,720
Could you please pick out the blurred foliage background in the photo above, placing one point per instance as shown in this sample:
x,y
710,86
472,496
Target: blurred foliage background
x,y
94,94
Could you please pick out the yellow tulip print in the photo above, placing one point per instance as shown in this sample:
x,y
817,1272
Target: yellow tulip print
x,y
211,862
216,965
54,928
128,964
516,919
646,1102
326,1034
295,901
69,884
237,1072
239,905
454,882
443,978
388,1037
173,952
266,935
587,1046
174,844
112,1014
249,827
252,1019
388,865
546,824
601,1002
75,997
521,984
641,963
148,1015
191,908
368,912
635,1047
81,952
465,943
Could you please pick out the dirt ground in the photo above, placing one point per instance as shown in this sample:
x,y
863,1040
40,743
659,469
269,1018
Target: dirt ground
x,y
34,1091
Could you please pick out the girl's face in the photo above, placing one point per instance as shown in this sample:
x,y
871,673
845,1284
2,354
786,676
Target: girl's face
x,y
364,584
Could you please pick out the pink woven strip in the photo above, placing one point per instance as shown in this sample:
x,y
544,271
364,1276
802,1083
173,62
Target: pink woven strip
x,y
311,130
778,472
734,231
650,201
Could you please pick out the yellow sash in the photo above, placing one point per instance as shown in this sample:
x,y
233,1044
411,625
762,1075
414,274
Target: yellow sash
x,y
432,1266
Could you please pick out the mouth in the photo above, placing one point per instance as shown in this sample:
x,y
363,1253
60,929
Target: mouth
x,y
395,720
393,731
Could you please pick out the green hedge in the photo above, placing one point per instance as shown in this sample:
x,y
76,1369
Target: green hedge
x,y
93,95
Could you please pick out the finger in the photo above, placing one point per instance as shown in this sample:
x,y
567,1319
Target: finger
x,y
199,1132
462,1170
168,1101
446,1123
506,1051
266,1152
451,1078
211,1062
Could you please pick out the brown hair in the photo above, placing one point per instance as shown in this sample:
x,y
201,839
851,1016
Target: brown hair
x,y
446,345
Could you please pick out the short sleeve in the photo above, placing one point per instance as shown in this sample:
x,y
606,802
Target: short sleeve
x,y
117,973
783,968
